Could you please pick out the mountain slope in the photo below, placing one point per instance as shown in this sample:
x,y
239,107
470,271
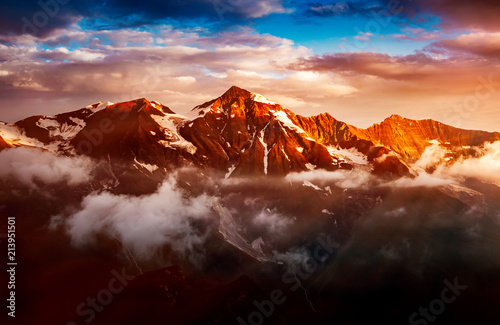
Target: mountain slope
x,y
246,133
237,133
409,137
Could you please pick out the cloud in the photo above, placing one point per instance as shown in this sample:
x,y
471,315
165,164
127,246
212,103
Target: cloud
x,y
422,180
143,224
328,8
42,18
477,15
356,178
453,14
363,36
486,167
421,85
381,65
331,9
432,156
32,166
437,166
272,221
183,67
417,34
480,44
179,68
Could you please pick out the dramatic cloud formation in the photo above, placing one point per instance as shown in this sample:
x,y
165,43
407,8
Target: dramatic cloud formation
x,y
143,224
477,15
435,168
481,45
486,167
41,18
32,166
419,58
458,88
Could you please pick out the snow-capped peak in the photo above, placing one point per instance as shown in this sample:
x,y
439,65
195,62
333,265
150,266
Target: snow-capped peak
x,y
261,99
99,106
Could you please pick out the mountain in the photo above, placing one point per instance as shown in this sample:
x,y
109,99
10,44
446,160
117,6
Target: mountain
x,y
154,220
410,138
238,133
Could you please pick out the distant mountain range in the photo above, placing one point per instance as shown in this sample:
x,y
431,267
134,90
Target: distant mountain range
x,y
238,133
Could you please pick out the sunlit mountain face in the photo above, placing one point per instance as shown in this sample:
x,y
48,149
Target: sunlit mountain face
x,y
250,162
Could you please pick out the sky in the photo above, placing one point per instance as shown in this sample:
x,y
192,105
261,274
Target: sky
x,y
360,61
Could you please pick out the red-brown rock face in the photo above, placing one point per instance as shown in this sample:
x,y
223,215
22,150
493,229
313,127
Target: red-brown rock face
x,y
238,133
246,133
409,138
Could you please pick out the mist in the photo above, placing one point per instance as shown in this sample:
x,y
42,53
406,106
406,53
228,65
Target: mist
x,y
34,166
143,224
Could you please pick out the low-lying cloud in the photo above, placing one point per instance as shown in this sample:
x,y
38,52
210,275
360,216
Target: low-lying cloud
x,y
142,224
32,166
356,178
436,167
486,167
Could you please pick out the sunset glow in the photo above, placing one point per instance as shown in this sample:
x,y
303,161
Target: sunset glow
x,y
361,61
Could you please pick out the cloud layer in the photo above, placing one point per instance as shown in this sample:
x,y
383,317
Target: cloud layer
x,y
32,166
142,224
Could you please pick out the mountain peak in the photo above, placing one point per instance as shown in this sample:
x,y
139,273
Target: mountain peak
x,y
235,91
396,117
238,132
99,105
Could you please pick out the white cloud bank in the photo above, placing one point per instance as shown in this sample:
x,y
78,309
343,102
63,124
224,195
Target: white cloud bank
x,y
486,167
29,166
143,224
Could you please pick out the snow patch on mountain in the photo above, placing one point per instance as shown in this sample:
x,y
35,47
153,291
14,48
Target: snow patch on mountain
x,y
309,184
169,124
157,105
266,150
310,166
150,168
229,229
285,120
99,106
261,99
66,131
48,122
352,155
17,137
230,171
